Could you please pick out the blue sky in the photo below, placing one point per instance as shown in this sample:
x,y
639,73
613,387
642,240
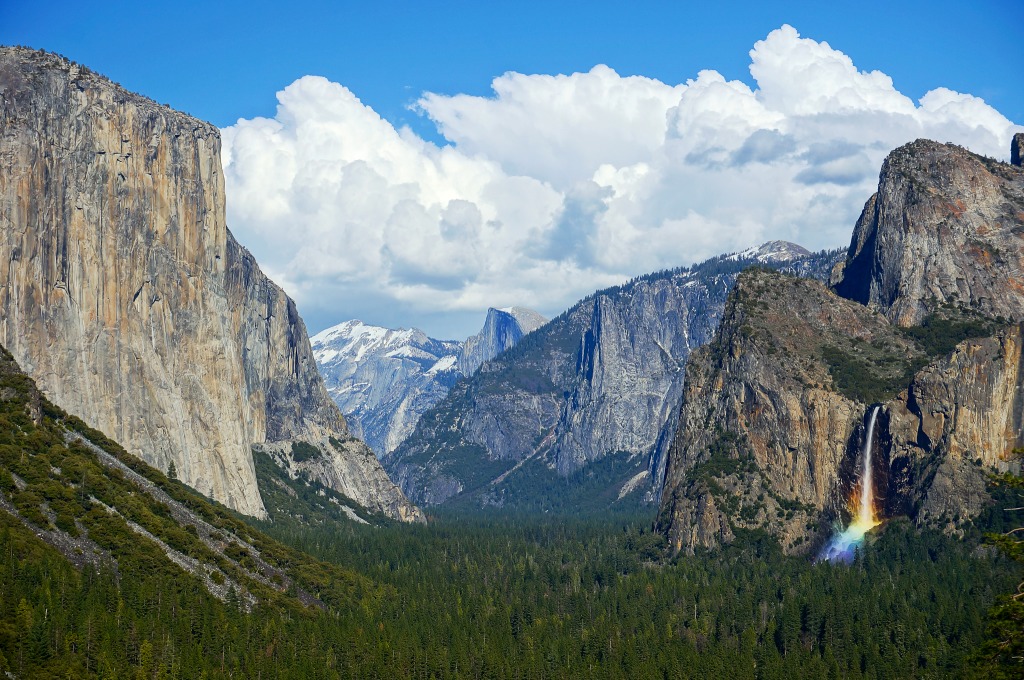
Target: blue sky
x,y
222,61
536,187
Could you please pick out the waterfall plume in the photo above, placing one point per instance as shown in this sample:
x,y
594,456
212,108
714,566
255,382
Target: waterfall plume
x,y
844,545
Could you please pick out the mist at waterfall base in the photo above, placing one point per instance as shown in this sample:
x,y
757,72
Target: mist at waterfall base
x,y
843,546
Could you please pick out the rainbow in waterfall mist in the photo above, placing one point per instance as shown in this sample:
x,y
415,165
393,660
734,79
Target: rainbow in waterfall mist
x,y
844,545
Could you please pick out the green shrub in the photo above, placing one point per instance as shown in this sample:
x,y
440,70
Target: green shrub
x,y
303,451
939,334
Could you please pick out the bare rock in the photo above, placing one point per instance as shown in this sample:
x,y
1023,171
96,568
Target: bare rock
x,y
774,408
124,295
945,227
762,425
503,328
602,380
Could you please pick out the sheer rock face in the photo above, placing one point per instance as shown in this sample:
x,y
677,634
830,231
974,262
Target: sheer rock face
x,y
774,412
124,295
628,370
761,428
946,226
503,328
768,440
961,417
603,379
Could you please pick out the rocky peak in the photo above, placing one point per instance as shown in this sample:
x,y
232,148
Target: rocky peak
x,y
943,228
383,379
773,251
527,319
1017,150
503,328
356,339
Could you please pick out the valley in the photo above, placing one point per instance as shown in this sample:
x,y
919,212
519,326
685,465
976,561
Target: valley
x,y
772,463
203,594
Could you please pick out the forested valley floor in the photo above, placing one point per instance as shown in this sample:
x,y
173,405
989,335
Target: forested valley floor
x,y
470,595
524,598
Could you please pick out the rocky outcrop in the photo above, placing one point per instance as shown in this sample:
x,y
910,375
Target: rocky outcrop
x,y
503,328
626,383
962,417
764,430
1017,150
384,379
602,380
774,412
945,227
124,295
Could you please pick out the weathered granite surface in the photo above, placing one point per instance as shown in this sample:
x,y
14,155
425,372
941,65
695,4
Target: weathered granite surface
x,y
774,411
944,227
125,297
384,379
502,329
603,379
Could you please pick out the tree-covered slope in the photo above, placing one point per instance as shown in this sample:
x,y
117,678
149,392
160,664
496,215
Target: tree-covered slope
x,y
111,568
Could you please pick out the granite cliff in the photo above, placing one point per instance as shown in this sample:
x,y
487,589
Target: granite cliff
x,y
585,404
124,295
919,321
503,328
944,227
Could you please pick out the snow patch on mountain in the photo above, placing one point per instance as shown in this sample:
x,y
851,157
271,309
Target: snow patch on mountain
x,y
383,379
772,251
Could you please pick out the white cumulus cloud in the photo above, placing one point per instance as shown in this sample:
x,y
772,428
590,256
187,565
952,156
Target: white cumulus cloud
x,y
560,184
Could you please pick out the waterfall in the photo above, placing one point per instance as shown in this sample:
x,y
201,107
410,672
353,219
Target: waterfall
x,y
866,511
844,544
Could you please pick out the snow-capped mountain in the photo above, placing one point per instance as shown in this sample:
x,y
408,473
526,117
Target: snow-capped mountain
x,y
772,252
384,379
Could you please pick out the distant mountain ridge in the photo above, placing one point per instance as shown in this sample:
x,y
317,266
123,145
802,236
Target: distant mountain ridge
x,y
590,396
772,252
383,380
